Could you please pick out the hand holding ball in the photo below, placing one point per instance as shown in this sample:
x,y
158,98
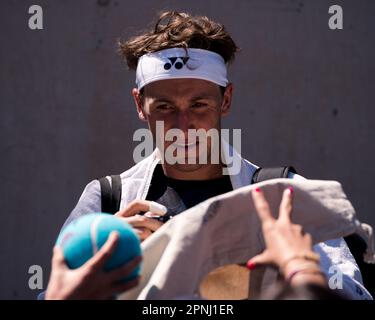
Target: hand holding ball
x,y
82,238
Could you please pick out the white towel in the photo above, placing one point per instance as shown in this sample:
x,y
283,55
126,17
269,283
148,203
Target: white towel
x,y
226,230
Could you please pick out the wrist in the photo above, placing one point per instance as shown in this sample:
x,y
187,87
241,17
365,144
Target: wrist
x,y
307,276
304,257
55,294
51,295
299,264
302,271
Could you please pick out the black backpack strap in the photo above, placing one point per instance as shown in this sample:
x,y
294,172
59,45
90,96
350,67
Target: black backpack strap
x,y
110,194
263,174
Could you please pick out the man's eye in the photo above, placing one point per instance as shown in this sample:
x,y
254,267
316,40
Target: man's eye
x,y
164,107
199,105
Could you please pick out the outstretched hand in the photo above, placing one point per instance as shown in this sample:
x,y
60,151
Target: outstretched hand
x,y
89,281
283,239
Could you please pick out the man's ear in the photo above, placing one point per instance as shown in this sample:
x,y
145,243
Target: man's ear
x,y
227,100
138,103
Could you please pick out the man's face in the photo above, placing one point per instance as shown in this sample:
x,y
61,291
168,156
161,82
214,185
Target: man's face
x,y
183,104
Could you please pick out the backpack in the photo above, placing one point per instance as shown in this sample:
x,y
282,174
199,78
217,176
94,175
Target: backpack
x,y
111,198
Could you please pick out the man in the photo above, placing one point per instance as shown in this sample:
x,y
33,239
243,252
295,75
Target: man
x,y
182,84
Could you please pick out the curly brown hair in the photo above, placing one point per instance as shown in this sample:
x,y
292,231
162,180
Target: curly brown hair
x,y
178,29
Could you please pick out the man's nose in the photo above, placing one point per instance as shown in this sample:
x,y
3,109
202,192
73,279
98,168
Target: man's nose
x,y
184,122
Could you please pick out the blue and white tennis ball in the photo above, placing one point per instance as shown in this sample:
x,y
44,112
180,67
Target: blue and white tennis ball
x,y
83,237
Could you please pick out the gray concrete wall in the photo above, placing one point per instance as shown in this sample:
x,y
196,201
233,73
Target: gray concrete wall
x,y
304,95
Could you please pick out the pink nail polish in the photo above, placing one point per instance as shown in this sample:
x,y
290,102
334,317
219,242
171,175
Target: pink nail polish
x,y
251,265
290,190
257,190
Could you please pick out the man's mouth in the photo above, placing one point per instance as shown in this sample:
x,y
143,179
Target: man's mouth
x,y
185,145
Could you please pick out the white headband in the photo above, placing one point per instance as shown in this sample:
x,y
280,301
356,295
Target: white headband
x,y
176,63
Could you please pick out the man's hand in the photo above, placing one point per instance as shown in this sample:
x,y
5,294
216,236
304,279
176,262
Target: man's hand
x,y
144,225
89,281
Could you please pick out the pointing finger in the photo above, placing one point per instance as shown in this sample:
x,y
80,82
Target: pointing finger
x,y
285,210
261,206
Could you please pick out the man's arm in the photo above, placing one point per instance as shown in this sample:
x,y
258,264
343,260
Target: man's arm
x,y
144,225
89,202
342,271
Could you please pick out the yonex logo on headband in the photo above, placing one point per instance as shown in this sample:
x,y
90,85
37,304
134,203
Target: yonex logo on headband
x,y
178,65
170,64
